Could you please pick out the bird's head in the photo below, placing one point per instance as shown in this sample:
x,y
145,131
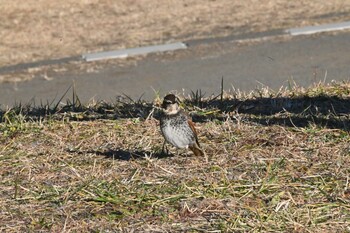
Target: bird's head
x,y
170,104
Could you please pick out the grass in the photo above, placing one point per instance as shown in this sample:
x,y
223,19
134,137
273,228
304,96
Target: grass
x,y
278,162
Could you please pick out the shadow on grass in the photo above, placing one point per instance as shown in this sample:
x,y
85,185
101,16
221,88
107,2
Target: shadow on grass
x,y
321,104
81,113
323,109
125,155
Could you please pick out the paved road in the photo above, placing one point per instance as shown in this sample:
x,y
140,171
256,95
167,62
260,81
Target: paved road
x,y
272,62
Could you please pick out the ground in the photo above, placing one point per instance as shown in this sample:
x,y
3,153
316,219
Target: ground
x,y
277,162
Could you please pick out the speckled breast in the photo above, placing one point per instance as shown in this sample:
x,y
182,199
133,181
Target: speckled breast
x,y
176,130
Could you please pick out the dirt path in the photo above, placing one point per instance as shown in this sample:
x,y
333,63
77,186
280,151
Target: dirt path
x,y
34,30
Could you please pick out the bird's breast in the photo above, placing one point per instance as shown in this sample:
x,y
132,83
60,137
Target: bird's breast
x,y
177,132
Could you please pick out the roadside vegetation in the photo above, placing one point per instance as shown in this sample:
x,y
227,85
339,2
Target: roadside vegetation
x,y
278,161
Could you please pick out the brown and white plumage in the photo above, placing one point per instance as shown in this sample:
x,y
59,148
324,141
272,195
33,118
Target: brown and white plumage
x,y
177,127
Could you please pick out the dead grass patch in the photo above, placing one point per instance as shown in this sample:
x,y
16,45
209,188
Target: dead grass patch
x,y
101,170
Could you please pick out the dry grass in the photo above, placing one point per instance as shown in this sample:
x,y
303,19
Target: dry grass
x,y
45,29
99,168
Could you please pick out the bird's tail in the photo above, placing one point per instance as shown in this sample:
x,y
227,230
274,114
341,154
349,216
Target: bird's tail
x,y
197,151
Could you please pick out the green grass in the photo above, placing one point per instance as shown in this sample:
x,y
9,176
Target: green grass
x,y
277,162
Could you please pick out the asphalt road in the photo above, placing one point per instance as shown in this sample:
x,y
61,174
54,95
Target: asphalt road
x,y
272,62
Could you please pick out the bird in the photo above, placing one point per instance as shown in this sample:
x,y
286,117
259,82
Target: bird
x,y
177,127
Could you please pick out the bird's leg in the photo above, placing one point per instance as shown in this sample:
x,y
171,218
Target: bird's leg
x,y
164,146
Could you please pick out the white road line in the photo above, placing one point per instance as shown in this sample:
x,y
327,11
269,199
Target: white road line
x,y
320,28
133,51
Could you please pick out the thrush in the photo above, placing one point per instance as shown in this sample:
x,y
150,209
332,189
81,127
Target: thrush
x,y
177,127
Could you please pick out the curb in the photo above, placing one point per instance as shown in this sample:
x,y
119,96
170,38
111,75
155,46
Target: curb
x,y
320,28
123,53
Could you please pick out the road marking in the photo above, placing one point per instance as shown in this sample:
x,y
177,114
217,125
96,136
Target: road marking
x,y
320,28
133,51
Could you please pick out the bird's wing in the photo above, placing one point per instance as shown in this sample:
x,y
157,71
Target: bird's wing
x,y
191,124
